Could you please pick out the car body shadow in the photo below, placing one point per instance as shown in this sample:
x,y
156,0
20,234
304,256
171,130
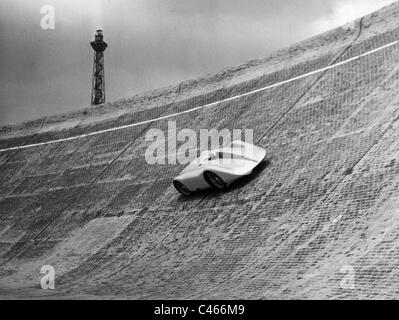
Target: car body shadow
x,y
240,183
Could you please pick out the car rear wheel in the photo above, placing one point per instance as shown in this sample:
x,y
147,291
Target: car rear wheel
x,y
214,180
182,188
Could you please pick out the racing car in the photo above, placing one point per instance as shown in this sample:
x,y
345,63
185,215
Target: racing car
x,y
219,168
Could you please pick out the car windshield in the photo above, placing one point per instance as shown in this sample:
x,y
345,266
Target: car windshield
x,y
220,155
236,145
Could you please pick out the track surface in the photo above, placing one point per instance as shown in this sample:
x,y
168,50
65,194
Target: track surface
x,y
325,202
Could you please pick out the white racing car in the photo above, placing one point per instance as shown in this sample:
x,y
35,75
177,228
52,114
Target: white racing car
x,y
219,168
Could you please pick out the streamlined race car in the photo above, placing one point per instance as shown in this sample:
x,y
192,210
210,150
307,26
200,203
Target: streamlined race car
x,y
219,168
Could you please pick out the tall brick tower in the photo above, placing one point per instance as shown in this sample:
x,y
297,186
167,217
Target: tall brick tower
x,y
98,83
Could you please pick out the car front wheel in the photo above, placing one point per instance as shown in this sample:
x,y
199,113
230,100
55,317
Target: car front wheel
x,y
214,180
182,188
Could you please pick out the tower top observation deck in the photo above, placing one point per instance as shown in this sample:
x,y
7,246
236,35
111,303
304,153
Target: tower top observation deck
x,y
99,45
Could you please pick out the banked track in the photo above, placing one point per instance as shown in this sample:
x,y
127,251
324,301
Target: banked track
x,y
324,203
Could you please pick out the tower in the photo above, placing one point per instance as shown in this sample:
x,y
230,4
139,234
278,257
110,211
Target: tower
x,y
98,83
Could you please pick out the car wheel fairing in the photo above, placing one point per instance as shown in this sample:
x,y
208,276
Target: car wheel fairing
x,y
182,188
214,180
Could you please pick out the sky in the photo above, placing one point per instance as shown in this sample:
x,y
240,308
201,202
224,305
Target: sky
x,y
152,44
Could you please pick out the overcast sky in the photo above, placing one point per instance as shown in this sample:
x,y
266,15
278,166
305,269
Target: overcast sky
x,y
152,43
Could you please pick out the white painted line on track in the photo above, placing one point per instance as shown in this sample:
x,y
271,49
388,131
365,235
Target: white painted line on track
x,y
210,105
